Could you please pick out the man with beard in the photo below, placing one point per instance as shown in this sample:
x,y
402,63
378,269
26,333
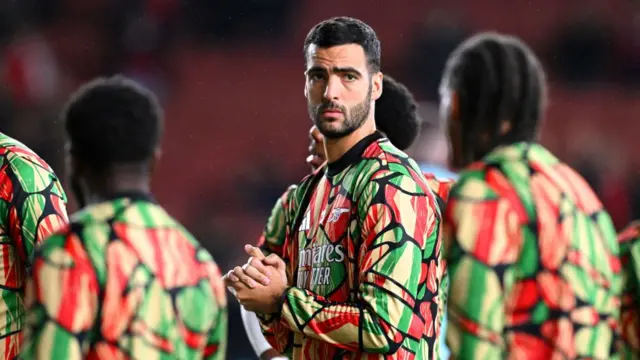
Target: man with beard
x,y
359,273
531,254
124,279
397,118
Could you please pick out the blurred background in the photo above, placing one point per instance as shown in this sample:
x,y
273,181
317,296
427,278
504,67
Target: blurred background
x,y
230,76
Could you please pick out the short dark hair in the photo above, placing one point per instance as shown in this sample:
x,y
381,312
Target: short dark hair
x,y
497,78
396,113
342,31
112,121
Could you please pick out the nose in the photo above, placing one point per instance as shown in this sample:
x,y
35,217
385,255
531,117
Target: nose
x,y
333,88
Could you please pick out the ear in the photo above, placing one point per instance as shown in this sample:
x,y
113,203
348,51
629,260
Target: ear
x,y
505,127
376,86
74,166
306,90
157,154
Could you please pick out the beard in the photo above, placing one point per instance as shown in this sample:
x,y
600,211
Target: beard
x,y
354,118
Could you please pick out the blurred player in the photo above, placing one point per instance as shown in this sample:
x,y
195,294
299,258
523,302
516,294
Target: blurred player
x,y
630,312
396,117
353,225
124,280
32,207
531,253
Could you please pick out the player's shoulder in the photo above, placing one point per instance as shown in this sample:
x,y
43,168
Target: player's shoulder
x,y
63,246
97,220
20,156
98,213
87,229
472,184
285,202
66,249
295,193
26,168
289,193
384,159
90,221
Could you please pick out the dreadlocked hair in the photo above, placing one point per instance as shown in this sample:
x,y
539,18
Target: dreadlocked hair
x,y
497,79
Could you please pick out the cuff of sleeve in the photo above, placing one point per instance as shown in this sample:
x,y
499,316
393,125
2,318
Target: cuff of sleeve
x,y
268,318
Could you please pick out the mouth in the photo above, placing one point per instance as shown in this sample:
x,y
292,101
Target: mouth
x,y
331,113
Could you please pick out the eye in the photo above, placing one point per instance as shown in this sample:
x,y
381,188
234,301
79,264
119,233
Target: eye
x,y
316,77
349,77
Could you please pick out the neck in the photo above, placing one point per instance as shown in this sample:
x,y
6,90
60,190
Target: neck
x,y
104,188
335,148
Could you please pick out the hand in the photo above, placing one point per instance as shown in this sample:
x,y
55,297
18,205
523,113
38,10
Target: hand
x,y
316,158
254,272
259,267
315,162
260,298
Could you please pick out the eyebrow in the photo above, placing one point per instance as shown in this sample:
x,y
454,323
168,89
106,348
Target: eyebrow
x,y
335,69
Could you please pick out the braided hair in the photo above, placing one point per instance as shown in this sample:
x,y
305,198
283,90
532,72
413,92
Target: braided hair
x,y
497,79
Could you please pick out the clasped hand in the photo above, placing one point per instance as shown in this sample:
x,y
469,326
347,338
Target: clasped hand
x,y
258,285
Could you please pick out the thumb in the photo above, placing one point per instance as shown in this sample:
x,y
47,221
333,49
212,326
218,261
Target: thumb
x,y
254,251
275,261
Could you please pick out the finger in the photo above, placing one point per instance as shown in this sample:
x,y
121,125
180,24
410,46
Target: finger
x,y
256,263
234,286
230,278
310,162
255,274
314,161
238,286
312,132
315,135
273,260
243,277
254,251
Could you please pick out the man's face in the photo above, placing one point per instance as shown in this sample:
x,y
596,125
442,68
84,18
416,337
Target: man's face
x,y
339,89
